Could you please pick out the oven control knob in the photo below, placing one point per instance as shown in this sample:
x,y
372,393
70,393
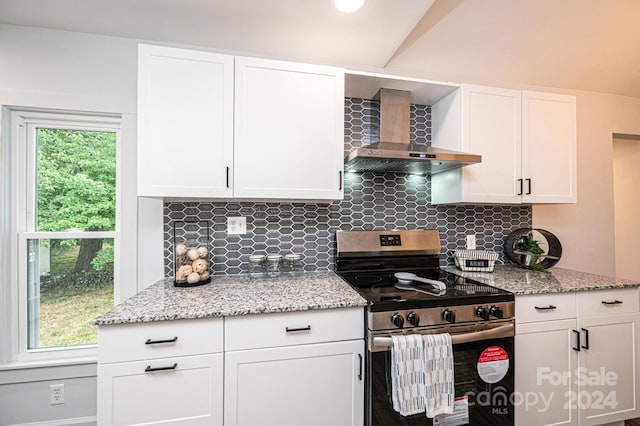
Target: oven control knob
x,y
482,312
414,319
496,312
397,320
449,316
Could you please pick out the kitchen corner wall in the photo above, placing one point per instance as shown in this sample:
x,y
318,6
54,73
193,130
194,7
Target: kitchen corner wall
x,y
371,201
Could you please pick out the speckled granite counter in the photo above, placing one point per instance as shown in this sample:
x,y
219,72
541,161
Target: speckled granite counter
x,y
234,295
556,280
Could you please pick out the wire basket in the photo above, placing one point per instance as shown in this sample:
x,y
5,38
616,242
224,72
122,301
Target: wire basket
x,y
475,260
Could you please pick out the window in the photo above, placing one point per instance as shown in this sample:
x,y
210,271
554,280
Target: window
x,y
68,236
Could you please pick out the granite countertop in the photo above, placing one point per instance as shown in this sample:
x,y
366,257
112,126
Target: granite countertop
x,y
234,295
556,280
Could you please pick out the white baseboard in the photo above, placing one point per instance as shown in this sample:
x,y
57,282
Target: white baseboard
x,y
82,421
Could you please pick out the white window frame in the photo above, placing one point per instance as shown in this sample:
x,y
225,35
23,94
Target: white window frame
x,y
25,125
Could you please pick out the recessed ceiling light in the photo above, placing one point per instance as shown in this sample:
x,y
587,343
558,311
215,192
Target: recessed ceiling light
x,y
348,6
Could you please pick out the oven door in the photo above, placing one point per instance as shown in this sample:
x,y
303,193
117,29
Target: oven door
x,y
483,373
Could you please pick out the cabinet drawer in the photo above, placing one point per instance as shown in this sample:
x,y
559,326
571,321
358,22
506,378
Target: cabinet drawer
x,y
293,328
162,339
191,393
545,307
606,302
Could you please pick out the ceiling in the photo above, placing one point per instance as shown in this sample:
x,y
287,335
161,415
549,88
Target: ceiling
x,y
574,44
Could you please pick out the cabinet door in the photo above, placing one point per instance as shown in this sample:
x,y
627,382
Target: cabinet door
x,y
608,373
491,127
185,123
311,385
549,147
188,394
545,365
289,130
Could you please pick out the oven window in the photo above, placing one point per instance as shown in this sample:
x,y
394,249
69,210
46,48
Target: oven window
x,y
489,403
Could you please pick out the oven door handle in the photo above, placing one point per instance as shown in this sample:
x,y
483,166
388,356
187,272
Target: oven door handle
x,y
456,339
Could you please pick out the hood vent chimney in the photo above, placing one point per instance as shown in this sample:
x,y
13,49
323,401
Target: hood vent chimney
x,y
394,152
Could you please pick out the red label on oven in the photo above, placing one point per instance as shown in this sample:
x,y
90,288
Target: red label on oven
x,y
493,364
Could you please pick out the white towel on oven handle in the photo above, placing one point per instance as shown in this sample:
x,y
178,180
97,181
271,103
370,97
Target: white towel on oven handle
x,y
439,379
408,374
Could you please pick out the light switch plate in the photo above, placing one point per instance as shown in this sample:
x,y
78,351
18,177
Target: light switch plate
x,y
237,225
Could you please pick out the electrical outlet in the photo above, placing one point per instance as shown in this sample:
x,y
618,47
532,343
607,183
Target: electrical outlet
x,y
236,225
471,242
56,394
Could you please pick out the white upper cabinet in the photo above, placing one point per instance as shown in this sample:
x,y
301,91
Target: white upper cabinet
x,y
289,130
489,125
526,139
185,123
549,148
289,124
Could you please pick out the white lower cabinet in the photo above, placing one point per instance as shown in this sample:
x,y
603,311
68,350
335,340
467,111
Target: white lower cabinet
x,y
542,362
168,391
295,368
311,385
577,364
609,367
280,369
165,372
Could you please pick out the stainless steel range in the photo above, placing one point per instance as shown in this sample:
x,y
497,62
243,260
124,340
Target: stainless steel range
x,y
399,273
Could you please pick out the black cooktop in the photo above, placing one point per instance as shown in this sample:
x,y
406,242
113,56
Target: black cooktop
x,y
378,287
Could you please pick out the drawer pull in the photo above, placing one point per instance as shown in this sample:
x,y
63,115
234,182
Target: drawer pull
x,y
615,302
155,342
149,369
545,308
292,330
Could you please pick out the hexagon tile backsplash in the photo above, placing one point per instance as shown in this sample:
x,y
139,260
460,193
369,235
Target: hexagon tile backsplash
x,y
371,201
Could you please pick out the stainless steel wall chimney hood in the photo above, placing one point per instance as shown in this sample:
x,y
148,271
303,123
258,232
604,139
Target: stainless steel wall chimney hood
x,y
394,152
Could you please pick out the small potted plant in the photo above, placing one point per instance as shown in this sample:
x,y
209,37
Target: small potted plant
x,y
531,252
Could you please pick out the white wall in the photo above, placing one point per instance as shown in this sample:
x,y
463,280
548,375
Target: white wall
x,y
70,71
586,229
626,197
56,69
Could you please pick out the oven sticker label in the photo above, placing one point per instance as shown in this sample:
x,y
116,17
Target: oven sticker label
x,y
460,415
493,364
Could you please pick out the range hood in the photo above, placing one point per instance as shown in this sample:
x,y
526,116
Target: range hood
x,y
394,152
